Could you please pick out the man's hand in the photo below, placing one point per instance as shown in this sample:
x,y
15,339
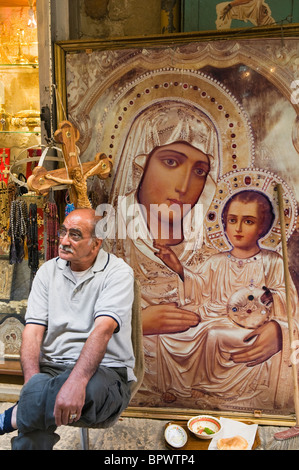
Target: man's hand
x,y
69,401
268,342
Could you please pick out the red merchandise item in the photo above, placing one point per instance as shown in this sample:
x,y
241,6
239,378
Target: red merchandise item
x,y
4,164
31,165
40,231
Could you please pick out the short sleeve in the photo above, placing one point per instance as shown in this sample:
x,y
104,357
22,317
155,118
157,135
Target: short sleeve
x,y
116,297
37,307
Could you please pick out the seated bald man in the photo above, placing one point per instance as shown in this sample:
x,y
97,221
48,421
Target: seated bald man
x,y
76,353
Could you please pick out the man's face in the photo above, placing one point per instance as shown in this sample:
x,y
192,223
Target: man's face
x,y
175,175
76,244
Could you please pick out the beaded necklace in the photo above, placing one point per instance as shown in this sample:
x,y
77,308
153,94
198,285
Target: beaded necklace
x,y
32,240
241,262
4,208
52,222
17,230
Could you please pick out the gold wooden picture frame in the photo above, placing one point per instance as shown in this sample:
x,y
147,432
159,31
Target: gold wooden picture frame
x,y
244,82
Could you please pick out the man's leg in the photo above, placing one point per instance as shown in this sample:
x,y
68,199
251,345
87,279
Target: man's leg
x,y
35,418
8,420
107,394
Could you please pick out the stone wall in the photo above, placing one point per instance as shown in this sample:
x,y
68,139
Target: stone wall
x,y
116,18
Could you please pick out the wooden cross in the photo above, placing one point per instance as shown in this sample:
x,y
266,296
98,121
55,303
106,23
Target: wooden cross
x,y
75,174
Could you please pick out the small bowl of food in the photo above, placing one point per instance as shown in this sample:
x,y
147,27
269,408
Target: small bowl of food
x,y
204,426
175,435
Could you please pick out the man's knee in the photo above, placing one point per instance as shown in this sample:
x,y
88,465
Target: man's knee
x,y
35,383
107,394
37,400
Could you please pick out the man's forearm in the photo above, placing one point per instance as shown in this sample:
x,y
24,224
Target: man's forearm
x,y
92,353
29,361
30,350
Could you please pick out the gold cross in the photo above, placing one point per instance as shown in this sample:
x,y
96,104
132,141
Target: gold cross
x,y
4,155
5,172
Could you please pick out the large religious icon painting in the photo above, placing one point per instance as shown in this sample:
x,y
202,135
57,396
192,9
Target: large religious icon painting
x,y
199,145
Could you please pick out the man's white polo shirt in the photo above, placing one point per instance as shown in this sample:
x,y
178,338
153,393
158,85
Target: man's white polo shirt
x,y
68,309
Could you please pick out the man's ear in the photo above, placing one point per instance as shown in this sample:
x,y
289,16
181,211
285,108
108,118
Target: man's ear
x,y
97,242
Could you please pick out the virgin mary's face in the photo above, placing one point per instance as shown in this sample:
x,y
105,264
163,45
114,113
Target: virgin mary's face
x,y
175,176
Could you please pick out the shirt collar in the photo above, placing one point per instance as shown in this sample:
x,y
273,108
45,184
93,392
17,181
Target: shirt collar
x,y
100,263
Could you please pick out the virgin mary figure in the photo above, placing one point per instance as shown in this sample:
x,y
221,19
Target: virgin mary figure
x,y
165,181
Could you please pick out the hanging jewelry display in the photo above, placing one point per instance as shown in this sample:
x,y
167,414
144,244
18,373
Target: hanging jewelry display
x,y
4,217
4,208
32,240
12,191
4,199
52,221
17,230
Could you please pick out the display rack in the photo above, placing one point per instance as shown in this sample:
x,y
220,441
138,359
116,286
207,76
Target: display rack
x,y
20,137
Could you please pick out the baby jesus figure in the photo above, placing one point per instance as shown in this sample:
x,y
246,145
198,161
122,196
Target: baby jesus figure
x,y
218,357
